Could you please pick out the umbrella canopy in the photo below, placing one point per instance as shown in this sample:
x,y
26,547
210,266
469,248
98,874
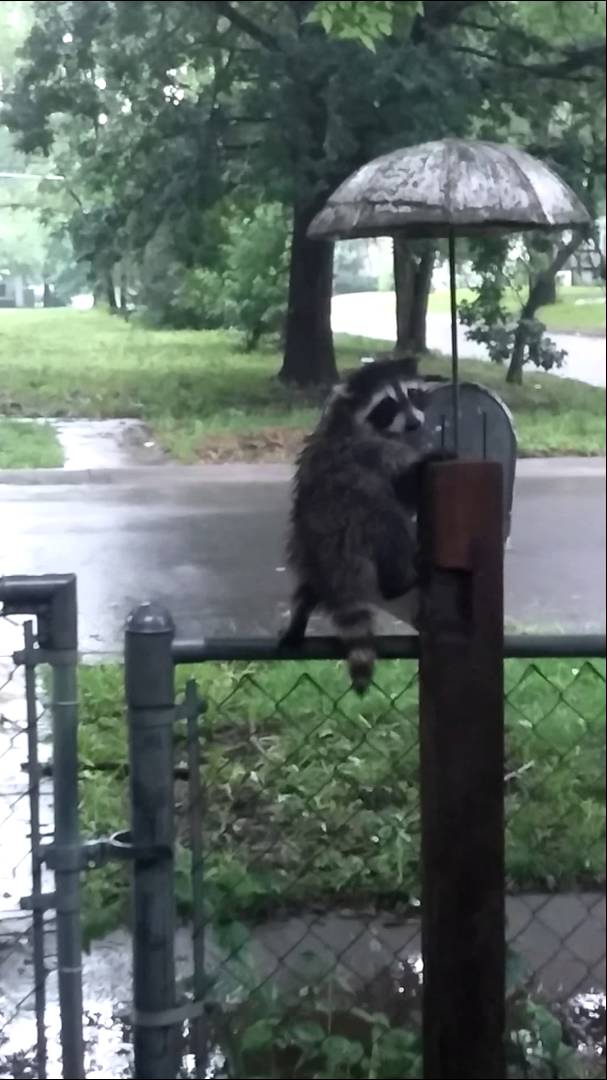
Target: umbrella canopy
x,y
451,187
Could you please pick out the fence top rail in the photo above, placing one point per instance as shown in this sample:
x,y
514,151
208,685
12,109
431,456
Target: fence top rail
x,y
389,647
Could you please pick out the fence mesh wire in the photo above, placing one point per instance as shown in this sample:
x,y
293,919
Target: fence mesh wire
x,y
27,951
305,832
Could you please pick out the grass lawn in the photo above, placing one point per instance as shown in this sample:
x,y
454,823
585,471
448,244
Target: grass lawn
x,y
206,399
578,310
26,445
312,797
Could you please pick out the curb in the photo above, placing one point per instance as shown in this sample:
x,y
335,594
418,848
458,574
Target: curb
x,y
150,474
545,468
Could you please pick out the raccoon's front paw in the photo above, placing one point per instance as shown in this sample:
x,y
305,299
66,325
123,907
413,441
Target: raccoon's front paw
x,y
434,457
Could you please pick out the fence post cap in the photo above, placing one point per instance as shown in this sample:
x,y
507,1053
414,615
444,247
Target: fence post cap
x,y
150,618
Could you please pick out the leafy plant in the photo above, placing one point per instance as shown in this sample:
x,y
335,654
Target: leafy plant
x,y
492,323
255,277
538,1047
365,22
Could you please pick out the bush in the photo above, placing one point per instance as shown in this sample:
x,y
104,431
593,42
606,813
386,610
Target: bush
x,y
255,275
245,287
199,301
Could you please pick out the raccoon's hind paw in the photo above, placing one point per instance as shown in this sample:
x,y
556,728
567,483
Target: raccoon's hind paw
x,y
361,663
290,638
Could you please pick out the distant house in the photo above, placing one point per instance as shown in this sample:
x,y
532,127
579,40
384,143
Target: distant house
x,y
15,292
584,266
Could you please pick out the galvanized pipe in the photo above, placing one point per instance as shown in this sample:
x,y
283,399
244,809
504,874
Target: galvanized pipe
x,y
389,647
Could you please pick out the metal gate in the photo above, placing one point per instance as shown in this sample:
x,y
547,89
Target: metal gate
x,y
44,929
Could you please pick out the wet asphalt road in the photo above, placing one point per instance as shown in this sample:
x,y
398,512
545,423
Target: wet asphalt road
x,y
213,551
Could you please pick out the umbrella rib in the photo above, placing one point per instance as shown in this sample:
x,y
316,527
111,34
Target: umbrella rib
x,y
527,183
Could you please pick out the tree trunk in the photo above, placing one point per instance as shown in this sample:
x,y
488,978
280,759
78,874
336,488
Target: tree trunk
x,y
515,371
110,291
124,291
404,280
535,300
412,281
547,290
309,356
421,296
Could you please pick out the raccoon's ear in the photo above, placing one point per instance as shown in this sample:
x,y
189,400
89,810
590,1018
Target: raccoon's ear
x,y
337,394
419,395
341,390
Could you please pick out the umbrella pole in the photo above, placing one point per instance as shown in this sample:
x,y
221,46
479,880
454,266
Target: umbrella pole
x,y
454,353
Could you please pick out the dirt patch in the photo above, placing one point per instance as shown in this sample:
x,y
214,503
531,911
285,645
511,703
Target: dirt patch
x,y
282,444
269,445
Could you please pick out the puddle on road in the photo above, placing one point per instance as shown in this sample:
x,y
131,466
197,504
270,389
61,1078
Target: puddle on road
x,y
105,444
395,993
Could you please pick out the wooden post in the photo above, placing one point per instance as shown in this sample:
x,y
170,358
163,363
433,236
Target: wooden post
x,y
462,771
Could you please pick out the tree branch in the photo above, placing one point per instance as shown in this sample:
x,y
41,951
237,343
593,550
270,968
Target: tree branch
x,y
565,69
248,26
563,254
437,15
440,13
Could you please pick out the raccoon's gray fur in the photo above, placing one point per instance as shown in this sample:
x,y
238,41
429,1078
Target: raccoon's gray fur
x,y
353,537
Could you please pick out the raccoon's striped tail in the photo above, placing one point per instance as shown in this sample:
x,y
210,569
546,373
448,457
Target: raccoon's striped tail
x,y
355,627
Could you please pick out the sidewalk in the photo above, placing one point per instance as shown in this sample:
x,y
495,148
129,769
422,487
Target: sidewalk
x,y
548,468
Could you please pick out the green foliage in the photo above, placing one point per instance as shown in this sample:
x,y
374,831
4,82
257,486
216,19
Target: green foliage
x,y
201,102
490,319
62,271
198,302
256,271
247,289
21,245
243,287
538,1045
327,1030
365,22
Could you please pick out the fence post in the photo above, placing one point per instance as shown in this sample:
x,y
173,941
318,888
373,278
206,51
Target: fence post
x,y
58,632
34,775
150,698
462,771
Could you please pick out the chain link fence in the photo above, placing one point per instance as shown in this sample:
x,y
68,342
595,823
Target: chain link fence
x,y
27,949
296,878
298,820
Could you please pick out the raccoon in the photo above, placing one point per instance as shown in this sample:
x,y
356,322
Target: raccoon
x,y
353,538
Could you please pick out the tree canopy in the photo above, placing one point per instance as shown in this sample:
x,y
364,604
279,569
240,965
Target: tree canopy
x,y
162,114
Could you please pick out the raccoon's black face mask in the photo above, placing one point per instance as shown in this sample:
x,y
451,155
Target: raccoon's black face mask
x,y
397,409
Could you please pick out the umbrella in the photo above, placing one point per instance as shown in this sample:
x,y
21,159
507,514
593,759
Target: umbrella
x,y
452,187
